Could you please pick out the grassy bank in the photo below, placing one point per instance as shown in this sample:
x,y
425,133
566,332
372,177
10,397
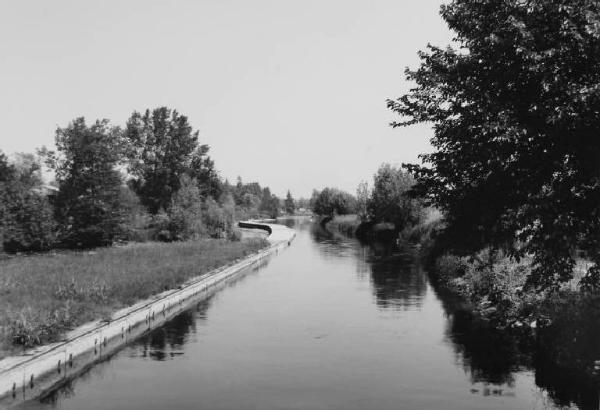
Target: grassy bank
x,y
42,296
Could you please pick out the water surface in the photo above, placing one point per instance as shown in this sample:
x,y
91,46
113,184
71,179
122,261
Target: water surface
x,y
327,324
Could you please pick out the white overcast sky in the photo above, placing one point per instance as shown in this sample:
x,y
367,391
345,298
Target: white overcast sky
x,y
287,93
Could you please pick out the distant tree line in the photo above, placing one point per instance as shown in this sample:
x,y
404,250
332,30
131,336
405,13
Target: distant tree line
x,y
151,180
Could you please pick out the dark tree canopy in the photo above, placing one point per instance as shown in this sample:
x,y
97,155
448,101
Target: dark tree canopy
x,y
161,143
515,108
87,205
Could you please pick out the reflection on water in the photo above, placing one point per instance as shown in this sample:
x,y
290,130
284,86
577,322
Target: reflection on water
x,y
330,323
489,356
397,282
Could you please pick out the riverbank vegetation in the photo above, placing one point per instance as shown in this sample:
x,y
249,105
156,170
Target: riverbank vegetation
x,y
515,169
506,209
147,184
44,295
151,180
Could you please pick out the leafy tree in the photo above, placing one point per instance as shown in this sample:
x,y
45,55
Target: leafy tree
x,y
269,203
247,197
202,169
185,212
26,219
332,201
388,201
87,205
514,106
160,147
290,206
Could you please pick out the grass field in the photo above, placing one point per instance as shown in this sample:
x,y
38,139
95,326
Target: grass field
x,y
42,296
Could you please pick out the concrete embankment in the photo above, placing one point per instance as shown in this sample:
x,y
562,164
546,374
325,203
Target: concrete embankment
x,y
40,370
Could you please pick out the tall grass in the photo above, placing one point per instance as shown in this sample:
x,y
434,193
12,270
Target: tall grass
x,y
42,296
346,224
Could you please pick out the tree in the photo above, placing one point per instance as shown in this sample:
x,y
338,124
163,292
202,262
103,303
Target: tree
x,y
362,197
202,169
87,205
185,212
26,216
389,201
160,147
514,107
269,203
332,201
290,206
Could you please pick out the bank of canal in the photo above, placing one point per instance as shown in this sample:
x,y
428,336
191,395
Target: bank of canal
x,y
328,324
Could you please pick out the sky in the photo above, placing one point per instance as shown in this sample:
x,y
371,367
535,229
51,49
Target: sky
x,y
291,94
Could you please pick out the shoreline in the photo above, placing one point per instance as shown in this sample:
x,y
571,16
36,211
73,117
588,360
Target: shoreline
x,y
32,374
560,324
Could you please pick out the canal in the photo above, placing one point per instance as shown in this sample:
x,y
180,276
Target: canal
x,y
326,324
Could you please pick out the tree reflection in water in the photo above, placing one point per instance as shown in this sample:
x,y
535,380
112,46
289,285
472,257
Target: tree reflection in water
x,y
489,356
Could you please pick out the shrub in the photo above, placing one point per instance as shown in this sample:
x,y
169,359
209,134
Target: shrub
x,y
218,222
185,212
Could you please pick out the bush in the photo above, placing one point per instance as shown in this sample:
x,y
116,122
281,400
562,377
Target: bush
x,y
26,216
185,212
136,220
29,225
494,283
218,221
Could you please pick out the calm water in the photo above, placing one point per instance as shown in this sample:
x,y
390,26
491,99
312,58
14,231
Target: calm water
x,y
327,324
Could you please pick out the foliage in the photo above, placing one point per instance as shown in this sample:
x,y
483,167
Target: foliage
x,y
494,284
363,194
345,224
160,146
303,203
388,201
269,203
515,114
247,198
218,220
332,201
135,225
185,212
202,169
26,219
289,204
87,205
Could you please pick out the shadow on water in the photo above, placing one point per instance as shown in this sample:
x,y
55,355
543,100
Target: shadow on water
x,y
492,358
